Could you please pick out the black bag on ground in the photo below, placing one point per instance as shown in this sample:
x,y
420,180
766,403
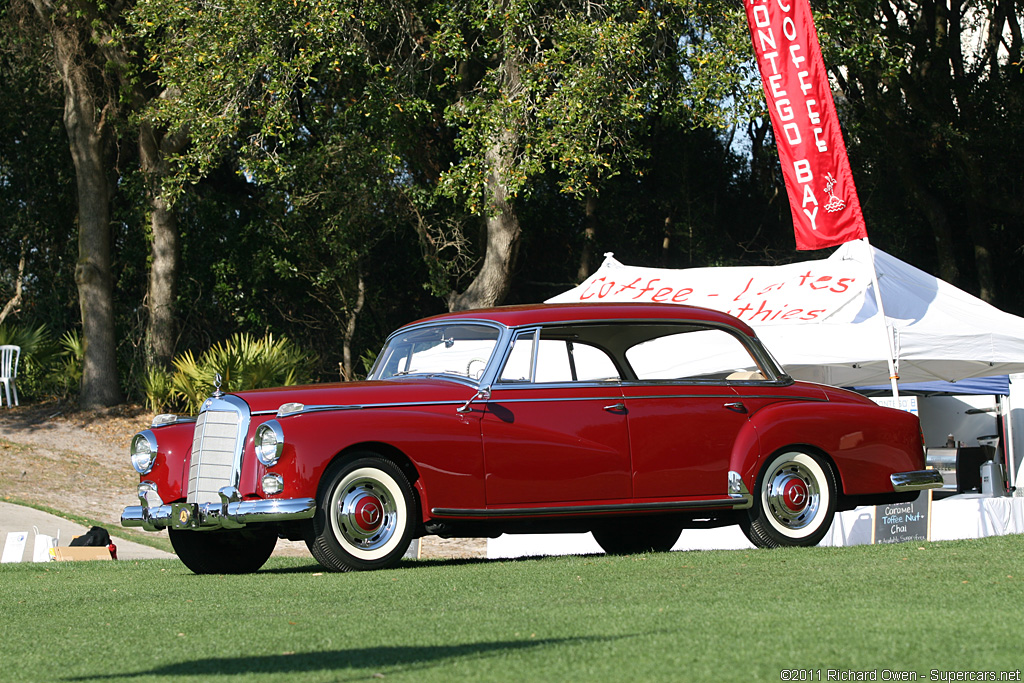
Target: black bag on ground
x,y
96,536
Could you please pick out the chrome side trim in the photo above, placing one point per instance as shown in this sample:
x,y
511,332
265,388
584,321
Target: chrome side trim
x,y
738,502
916,481
362,406
495,397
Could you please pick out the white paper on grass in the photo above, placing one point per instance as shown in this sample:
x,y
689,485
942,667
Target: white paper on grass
x,y
14,547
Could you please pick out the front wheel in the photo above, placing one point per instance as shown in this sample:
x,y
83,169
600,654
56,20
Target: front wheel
x,y
223,552
364,515
794,503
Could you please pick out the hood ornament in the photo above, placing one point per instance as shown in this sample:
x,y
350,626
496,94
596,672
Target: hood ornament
x,y
217,393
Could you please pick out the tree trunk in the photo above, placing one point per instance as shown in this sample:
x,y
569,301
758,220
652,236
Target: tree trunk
x,y
492,283
666,241
85,123
503,232
494,280
589,235
15,301
347,371
165,253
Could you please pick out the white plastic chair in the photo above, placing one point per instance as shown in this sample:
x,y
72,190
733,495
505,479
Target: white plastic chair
x,y
9,356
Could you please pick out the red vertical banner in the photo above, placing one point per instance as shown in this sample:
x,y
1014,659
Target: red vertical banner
x,y
822,196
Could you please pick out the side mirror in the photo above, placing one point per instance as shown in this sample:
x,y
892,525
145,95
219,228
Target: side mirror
x,y
484,393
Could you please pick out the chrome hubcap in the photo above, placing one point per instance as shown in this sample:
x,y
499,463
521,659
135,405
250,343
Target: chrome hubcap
x,y
366,515
793,495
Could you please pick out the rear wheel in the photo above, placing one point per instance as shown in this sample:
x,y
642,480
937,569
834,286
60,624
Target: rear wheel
x,y
631,536
364,515
223,552
794,503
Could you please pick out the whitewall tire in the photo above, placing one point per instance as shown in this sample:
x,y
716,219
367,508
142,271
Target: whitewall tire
x,y
364,517
794,502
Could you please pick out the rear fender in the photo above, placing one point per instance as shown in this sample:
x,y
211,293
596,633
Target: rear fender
x,y
866,443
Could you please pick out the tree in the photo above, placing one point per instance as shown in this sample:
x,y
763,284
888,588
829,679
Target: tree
x,y
36,206
90,101
573,87
103,82
467,105
155,148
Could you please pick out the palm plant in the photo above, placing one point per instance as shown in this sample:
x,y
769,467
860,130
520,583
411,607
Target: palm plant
x,y
243,362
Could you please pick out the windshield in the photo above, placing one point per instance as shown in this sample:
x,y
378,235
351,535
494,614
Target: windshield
x,y
453,349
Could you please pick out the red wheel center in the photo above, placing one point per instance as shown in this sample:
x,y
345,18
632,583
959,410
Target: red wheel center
x,y
368,513
794,494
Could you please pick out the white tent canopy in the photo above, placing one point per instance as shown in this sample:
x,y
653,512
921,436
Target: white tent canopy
x,y
820,320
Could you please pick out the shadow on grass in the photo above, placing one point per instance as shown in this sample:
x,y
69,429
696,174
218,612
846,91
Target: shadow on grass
x,y
356,661
313,567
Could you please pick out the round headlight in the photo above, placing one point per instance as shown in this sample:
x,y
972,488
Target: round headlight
x,y
143,452
269,442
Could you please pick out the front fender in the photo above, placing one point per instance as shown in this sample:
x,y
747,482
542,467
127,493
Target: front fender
x,y
442,445
170,469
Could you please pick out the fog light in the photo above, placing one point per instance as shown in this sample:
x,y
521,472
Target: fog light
x,y
272,484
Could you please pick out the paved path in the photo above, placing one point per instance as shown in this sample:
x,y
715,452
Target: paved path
x,y
21,518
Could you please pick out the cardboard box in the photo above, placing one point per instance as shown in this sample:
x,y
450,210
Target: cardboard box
x,y
64,553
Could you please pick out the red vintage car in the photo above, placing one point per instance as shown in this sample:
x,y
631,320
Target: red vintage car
x,y
631,421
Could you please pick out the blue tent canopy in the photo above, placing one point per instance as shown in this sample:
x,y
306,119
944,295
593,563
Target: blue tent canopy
x,y
978,386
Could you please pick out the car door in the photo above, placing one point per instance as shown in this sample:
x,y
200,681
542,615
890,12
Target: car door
x,y
685,413
554,430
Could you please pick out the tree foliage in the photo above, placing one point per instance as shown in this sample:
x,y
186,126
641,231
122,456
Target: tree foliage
x,y
458,110
332,168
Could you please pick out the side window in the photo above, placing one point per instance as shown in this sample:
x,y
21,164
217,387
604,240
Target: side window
x,y
556,360
592,364
553,362
708,354
519,366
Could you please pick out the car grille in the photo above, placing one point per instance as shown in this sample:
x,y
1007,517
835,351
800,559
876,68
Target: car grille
x,y
217,449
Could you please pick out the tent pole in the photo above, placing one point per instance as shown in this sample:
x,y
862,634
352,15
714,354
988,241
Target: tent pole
x,y
893,376
1009,452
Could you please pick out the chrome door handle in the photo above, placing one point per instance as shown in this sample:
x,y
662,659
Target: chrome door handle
x,y
616,408
736,407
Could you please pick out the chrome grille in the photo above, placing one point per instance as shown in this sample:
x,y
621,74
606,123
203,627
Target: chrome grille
x,y
217,448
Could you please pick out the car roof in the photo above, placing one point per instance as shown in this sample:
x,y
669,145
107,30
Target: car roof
x,y
537,314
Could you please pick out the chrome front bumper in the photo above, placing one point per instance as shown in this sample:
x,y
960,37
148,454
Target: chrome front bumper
x,y
916,481
230,513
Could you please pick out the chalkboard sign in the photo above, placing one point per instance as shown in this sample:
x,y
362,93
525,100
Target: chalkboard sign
x,y
902,522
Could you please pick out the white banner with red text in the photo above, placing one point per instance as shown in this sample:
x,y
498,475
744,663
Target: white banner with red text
x,y
798,293
821,320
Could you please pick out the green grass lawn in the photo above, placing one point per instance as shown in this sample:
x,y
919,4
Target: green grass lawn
x,y
683,616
